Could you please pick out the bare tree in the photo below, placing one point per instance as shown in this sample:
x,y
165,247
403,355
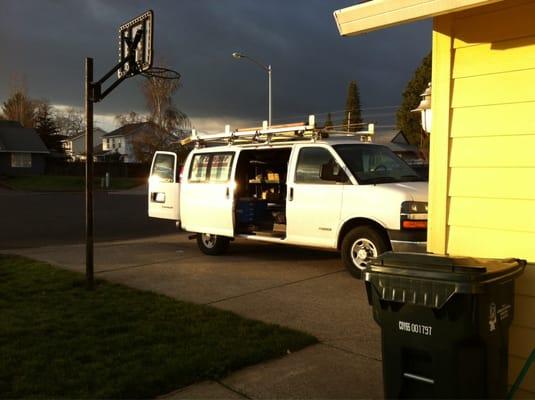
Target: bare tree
x,y
70,122
19,107
163,112
130,118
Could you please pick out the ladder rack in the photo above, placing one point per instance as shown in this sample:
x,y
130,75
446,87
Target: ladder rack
x,y
274,133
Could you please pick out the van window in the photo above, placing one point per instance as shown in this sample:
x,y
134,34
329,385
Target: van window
x,y
309,164
211,167
372,164
199,168
163,168
220,167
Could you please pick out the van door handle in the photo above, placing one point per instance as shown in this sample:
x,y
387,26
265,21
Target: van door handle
x,y
291,196
227,194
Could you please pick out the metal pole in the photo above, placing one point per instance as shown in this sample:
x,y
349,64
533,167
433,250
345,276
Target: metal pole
x,y
269,79
89,172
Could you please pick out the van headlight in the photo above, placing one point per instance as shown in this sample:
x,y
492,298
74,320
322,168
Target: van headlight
x,y
414,207
413,215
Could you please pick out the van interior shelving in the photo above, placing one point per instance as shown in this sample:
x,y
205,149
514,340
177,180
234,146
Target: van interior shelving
x,y
261,192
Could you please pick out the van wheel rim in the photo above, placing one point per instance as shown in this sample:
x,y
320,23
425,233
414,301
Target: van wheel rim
x,y
208,240
361,252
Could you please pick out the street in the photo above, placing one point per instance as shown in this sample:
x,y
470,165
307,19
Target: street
x,y
35,219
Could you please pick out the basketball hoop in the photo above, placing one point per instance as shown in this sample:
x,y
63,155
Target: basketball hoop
x,y
161,73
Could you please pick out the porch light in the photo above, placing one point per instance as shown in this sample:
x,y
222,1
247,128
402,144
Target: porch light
x,y
424,108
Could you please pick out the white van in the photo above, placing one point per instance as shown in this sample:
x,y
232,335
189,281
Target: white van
x,y
308,190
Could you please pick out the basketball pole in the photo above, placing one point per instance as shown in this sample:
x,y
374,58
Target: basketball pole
x,y
89,173
94,94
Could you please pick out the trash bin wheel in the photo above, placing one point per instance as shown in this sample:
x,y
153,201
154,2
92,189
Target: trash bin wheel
x,y
360,244
212,245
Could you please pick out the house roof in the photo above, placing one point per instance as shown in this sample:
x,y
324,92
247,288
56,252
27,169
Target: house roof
x,y
395,140
82,135
14,138
377,14
132,129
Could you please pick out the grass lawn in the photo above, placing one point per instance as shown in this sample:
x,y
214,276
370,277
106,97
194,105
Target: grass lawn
x,y
65,183
58,339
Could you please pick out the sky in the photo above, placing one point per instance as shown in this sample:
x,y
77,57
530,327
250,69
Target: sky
x,y
46,42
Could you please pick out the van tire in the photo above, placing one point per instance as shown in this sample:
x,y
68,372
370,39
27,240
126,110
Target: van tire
x,y
362,239
212,245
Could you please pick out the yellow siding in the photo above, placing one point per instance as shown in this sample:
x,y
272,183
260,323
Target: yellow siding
x,y
477,242
497,183
484,127
484,25
439,146
489,120
504,88
477,152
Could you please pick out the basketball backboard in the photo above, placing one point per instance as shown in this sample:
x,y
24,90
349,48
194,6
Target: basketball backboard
x,y
138,30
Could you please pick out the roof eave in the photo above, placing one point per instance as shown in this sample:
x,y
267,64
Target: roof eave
x,y
378,14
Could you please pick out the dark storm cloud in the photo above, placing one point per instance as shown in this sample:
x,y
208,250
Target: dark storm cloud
x,y
47,41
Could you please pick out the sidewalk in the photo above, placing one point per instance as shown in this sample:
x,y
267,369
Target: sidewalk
x,y
295,287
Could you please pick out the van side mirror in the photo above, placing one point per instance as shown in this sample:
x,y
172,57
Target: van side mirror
x,y
332,172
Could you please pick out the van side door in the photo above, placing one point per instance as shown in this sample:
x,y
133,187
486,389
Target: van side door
x,y
164,187
207,193
314,199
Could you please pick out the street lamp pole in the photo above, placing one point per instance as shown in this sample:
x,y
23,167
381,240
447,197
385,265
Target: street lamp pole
x,y
266,68
269,82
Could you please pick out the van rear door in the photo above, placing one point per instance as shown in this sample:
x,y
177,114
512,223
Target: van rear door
x,y
164,187
207,202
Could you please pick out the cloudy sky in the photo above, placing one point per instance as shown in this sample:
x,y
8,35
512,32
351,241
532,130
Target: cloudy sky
x,y
46,41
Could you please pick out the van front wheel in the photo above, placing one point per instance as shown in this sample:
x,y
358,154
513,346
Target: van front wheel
x,y
212,245
359,246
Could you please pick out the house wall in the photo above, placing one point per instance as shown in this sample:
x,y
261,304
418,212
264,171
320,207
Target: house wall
x,y
37,168
117,143
482,171
78,143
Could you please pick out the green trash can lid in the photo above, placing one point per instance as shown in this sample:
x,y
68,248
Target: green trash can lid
x,y
430,280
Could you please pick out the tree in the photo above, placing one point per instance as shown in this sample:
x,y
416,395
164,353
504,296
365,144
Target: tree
x,y
130,118
70,122
46,127
410,122
328,121
353,113
163,112
19,107
170,124
152,139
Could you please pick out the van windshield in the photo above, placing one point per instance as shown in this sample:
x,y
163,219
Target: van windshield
x,y
372,164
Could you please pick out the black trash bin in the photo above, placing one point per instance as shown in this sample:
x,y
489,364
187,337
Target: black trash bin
x,y
444,323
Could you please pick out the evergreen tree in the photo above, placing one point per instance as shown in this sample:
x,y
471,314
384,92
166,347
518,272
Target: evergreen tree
x,y
328,121
19,107
47,129
410,122
353,113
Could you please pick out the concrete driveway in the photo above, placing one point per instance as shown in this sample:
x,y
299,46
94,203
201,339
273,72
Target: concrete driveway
x,y
296,287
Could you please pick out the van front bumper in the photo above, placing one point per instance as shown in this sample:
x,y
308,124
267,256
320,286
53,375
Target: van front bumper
x,y
411,247
414,241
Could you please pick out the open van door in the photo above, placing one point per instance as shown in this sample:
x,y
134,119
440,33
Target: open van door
x,y
164,186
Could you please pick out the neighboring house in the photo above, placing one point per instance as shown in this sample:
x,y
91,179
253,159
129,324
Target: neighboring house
x,y
482,164
121,141
75,146
22,152
396,141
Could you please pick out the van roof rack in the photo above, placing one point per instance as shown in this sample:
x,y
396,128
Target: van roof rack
x,y
277,133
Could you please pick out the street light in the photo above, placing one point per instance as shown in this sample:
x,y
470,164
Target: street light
x,y
266,68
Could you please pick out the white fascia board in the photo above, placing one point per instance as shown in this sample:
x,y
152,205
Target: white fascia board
x,y
377,14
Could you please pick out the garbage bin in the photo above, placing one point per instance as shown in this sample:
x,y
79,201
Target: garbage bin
x,y
444,323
